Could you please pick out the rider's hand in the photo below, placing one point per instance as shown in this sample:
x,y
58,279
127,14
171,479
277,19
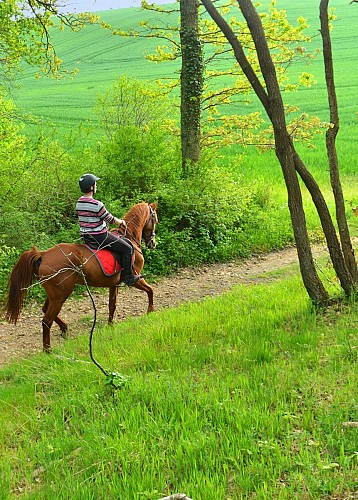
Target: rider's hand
x,y
121,222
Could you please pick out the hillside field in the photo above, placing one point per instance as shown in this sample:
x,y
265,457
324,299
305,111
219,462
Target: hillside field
x,y
100,57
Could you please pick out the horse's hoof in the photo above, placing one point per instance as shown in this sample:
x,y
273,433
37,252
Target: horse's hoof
x,y
64,335
47,350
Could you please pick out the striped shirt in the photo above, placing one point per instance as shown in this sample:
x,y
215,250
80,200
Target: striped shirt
x,y
92,216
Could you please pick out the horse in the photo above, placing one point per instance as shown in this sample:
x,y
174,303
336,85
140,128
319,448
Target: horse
x,y
64,265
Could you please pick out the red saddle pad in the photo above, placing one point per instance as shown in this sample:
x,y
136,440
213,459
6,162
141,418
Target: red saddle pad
x,y
106,260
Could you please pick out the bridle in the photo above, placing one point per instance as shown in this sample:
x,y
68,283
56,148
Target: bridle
x,y
151,219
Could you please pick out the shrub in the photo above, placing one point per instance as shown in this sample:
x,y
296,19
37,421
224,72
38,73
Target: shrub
x,y
8,258
137,163
212,216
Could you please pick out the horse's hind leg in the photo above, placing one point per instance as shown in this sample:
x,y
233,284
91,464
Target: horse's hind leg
x,y
54,302
49,316
58,320
113,294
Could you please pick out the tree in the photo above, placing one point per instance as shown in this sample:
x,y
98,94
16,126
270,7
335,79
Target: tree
x,y
205,70
130,102
331,135
290,161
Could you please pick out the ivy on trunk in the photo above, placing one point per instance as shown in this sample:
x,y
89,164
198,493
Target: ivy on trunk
x,y
191,79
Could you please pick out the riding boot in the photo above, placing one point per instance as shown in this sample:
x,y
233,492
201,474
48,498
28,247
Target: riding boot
x,y
130,279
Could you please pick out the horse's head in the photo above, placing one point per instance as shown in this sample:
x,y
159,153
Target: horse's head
x,y
148,232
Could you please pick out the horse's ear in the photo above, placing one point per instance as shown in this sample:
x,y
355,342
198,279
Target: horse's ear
x,y
154,205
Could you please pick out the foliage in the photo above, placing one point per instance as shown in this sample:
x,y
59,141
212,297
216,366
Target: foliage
x,y
12,151
40,203
116,380
8,257
131,102
141,150
232,397
138,162
214,215
25,34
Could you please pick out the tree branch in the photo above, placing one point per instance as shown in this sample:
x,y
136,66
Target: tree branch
x,y
238,52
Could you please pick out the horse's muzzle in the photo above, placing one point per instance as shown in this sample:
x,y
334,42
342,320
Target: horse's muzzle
x,y
151,244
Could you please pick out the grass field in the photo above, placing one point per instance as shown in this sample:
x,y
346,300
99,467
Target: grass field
x,y
100,57
231,398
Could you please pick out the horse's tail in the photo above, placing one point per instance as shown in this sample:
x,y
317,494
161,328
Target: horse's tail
x,y
20,279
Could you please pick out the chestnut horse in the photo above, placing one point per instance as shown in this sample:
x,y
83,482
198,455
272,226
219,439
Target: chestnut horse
x,y
63,266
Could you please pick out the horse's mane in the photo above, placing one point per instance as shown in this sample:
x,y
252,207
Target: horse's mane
x,y
136,216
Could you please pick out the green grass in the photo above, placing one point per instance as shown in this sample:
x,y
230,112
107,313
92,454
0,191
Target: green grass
x,y
235,397
100,57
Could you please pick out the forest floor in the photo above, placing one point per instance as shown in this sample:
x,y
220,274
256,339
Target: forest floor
x,y
188,285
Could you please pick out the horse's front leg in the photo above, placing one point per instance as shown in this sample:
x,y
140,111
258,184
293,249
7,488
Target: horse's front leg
x,y
113,294
143,285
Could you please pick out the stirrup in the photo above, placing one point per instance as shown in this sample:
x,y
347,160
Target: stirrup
x,y
133,279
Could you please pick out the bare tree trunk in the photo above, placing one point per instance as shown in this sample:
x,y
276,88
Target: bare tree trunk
x,y
331,135
272,101
311,280
191,79
329,230
334,248
285,154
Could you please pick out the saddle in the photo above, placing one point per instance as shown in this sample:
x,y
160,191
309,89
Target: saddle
x,y
109,265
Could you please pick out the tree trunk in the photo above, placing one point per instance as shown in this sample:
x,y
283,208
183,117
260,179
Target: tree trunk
x,y
331,135
285,154
311,280
191,78
329,230
276,111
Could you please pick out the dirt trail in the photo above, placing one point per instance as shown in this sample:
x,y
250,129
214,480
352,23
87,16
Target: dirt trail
x,y
188,285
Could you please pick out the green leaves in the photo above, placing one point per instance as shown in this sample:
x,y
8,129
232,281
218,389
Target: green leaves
x,y
116,379
25,35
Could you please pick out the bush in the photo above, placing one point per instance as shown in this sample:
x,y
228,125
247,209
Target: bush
x,y
137,163
40,208
212,216
8,258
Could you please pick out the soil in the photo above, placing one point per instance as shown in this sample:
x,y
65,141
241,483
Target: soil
x,y
188,285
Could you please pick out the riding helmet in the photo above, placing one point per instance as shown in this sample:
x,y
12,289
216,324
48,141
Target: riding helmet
x,y
87,181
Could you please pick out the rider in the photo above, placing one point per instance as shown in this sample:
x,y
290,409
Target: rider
x,y
93,216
